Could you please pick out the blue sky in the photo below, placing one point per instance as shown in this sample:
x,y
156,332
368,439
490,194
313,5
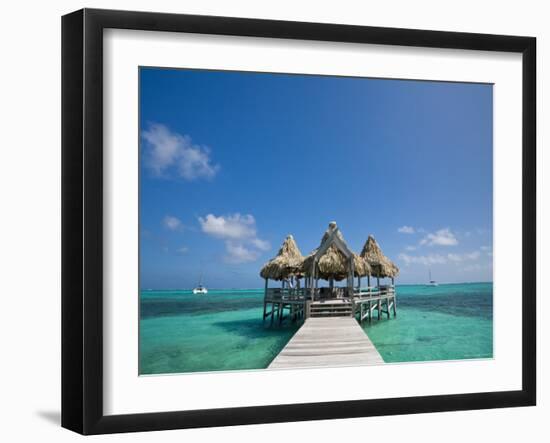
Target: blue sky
x,y
233,162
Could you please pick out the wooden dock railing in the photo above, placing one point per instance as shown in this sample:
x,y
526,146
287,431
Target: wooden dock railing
x,y
297,303
380,299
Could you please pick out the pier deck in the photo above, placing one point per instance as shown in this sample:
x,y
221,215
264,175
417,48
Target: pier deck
x,y
322,342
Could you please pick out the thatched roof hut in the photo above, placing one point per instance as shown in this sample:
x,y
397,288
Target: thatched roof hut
x,y
332,263
381,265
286,263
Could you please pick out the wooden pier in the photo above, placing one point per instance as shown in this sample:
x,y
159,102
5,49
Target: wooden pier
x,y
332,341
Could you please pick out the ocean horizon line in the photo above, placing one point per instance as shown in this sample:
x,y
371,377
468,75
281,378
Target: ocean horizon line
x,y
262,288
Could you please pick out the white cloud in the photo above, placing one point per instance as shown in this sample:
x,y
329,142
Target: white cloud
x,y
233,227
430,259
472,255
438,259
262,245
169,151
478,267
406,230
410,248
242,243
443,237
172,223
182,250
239,253
454,257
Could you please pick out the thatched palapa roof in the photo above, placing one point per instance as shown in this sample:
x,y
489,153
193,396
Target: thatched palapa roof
x,y
333,263
287,262
381,265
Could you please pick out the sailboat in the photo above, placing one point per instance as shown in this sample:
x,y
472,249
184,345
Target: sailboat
x,y
431,282
200,289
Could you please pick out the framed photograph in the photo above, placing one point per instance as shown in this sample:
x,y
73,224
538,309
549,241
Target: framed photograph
x,y
268,221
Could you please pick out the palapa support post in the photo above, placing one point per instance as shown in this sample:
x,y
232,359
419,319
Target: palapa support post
x,y
370,312
314,282
265,299
350,277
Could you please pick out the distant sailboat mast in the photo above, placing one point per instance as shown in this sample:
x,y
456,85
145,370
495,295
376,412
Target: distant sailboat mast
x,y
200,289
431,282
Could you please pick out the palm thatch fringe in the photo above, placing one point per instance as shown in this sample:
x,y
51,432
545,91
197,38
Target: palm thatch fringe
x,y
381,265
286,264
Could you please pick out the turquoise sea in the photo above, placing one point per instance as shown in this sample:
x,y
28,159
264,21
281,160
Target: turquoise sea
x,y
182,332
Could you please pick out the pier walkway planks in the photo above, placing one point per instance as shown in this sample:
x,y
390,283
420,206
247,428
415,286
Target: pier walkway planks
x,y
322,342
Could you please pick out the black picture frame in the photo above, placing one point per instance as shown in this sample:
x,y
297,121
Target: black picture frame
x,y
82,218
